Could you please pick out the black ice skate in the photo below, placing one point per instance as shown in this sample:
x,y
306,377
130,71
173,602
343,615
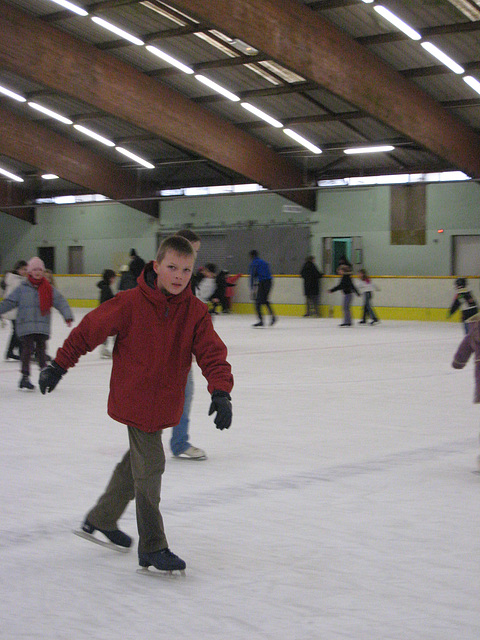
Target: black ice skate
x,y
116,539
25,383
163,560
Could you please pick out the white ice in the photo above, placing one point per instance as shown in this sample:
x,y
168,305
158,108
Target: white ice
x,y
340,504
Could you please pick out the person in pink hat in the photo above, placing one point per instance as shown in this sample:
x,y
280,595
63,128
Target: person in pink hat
x,y
34,299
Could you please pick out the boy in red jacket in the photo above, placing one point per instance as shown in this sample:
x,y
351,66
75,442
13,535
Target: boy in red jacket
x,y
158,326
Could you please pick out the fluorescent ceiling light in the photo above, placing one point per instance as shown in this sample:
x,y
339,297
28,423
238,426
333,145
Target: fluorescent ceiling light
x,y
49,112
92,134
164,56
472,82
302,141
49,176
262,115
400,24
367,1
132,156
380,149
447,61
118,31
12,176
216,87
11,94
71,7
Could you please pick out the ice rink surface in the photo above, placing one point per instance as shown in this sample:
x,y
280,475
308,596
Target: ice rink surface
x,y
341,504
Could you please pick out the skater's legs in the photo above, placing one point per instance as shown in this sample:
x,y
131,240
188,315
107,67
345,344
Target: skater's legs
x,y
179,440
113,502
148,464
368,307
263,293
347,301
40,341
26,354
14,344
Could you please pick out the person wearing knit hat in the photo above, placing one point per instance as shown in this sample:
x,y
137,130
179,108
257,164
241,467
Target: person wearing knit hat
x,y
34,299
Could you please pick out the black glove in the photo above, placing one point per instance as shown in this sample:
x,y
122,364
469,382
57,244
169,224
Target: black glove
x,y
221,403
50,377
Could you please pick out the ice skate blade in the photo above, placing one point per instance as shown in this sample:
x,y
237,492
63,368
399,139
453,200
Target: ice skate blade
x,y
103,543
155,573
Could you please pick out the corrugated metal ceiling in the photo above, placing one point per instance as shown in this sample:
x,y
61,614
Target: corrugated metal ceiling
x,y
358,20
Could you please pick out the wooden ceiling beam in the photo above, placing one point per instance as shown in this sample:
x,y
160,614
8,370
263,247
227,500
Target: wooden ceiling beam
x,y
295,36
13,197
33,144
38,51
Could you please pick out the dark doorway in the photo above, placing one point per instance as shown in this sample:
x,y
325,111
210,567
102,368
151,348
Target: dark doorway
x,y
47,254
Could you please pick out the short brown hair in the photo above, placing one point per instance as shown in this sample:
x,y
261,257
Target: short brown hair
x,y
175,243
189,234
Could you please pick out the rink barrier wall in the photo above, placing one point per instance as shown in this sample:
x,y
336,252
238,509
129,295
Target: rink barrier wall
x,y
420,298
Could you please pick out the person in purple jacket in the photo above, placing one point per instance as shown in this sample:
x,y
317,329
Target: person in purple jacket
x,y
470,344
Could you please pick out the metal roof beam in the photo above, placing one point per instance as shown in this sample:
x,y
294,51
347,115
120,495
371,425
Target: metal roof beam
x,y
42,53
295,36
33,144
427,32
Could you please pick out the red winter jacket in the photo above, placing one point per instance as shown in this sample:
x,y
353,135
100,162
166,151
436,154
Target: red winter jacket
x,y
156,337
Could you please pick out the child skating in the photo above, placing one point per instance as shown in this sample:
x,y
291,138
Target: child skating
x,y
158,325
463,300
366,288
34,298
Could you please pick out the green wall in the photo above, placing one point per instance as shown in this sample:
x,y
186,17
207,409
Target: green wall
x,y
107,231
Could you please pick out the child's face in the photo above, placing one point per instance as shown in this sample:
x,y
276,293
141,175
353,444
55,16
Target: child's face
x,y
174,272
37,273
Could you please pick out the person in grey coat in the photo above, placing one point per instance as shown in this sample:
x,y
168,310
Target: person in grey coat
x,y
34,299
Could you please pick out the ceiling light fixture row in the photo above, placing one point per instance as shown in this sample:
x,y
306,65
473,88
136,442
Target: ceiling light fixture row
x,y
201,78
428,46
183,67
88,132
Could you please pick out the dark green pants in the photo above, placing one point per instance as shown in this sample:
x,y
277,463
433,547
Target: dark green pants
x,y
139,476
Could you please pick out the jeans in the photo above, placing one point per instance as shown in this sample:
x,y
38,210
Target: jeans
x,y
179,440
368,309
347,301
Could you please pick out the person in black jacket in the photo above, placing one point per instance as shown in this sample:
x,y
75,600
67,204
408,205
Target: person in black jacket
x,y
136,264
346,285
106,293
311,286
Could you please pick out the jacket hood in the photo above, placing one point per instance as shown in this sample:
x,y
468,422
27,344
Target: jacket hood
x,y
147,281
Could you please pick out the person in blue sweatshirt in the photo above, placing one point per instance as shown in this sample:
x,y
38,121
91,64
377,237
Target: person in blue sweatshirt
x,y
260,286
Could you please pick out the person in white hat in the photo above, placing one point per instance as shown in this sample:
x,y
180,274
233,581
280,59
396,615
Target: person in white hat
x,y
34,299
